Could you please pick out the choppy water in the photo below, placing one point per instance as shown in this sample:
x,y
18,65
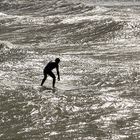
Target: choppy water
x,y
98,95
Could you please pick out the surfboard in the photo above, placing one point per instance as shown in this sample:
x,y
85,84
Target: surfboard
x,y
43,88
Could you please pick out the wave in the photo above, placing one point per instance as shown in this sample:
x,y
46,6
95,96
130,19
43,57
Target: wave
x,y
110,2
11,52
6,45
42,7
62,17
78,19
49,7
64,22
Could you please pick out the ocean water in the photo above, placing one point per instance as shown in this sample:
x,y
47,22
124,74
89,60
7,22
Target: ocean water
x,y
98,96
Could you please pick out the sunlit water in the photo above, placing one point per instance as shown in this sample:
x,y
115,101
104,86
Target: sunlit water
x,y
98,95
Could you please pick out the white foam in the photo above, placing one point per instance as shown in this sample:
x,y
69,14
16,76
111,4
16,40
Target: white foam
x,y
71,130
53,133
1,135
2,14
2,73
34,111
24,19
100,9
81,18
6,45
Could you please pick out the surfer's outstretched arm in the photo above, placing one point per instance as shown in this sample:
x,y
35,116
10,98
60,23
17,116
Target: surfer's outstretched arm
x,y
57,69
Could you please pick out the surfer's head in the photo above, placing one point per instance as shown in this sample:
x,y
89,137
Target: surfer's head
x,y
57,60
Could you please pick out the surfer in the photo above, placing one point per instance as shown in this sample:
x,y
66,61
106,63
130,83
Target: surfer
x,y
48,71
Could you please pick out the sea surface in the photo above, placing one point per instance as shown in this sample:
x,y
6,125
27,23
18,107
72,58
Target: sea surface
x,y
98,96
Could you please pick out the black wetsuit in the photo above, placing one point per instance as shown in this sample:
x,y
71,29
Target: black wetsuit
x,y
48,71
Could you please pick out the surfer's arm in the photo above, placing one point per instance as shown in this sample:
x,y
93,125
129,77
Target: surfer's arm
x,y
57,69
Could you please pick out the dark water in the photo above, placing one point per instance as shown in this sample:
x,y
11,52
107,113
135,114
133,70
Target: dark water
x,y
99,47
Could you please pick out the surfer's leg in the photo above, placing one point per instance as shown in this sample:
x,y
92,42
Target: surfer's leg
x,y
45,77
54,78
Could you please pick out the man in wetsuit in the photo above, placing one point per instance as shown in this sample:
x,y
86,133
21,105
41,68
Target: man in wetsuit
x,y
48,71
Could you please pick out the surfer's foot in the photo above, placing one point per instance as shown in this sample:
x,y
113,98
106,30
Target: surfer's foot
x,y
53,87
